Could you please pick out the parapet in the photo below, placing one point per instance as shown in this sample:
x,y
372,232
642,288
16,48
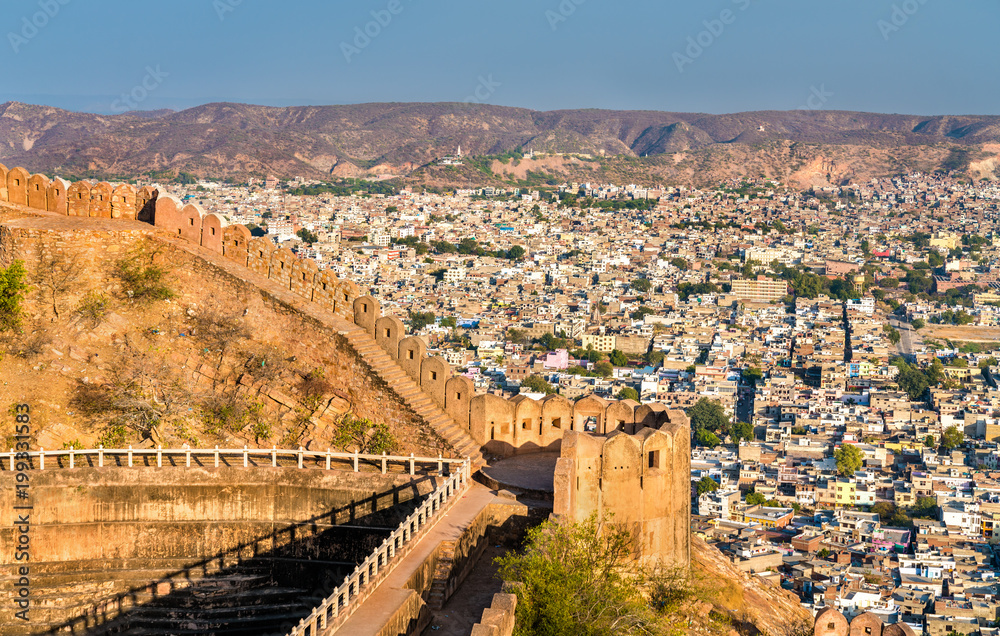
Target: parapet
x,y
642,481
830,622
187,222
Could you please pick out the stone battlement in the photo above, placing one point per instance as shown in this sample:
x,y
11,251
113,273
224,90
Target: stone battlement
x,y
497,425
642,481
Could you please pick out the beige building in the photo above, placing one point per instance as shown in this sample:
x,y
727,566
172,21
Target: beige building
x,y
760,290
599,342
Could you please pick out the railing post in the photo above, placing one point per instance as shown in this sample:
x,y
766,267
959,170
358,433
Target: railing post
x,y
159,456
412,465
187,456
355,461
274,457
385,463
41,459
100,456
440,465
71,453
245,457
300,457
10,466
130,456
216,455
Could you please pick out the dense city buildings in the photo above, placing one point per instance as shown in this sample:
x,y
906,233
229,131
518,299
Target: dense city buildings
x,y
835,350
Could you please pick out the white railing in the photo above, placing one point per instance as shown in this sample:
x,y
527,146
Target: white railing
x,y
68,458
344,600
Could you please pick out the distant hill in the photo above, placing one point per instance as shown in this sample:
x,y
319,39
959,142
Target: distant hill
x,y
404,139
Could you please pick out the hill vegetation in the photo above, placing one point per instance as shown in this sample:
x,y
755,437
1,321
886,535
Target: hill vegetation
x,y
379,141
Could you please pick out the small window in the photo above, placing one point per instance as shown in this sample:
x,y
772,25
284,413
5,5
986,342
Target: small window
x,y
526,424
388,333
213,231
190,221
37,187
458,396
556,422
17,182
345,297
324,286
434,375
409,354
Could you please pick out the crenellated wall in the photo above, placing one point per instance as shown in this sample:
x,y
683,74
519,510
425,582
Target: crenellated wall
x,y
643,480
503,426
830,622
186,221
500,426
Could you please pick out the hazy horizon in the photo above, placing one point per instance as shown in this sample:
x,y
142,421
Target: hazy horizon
x,y
717,57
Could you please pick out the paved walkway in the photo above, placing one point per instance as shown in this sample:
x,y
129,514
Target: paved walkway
x,y
531,471
379,608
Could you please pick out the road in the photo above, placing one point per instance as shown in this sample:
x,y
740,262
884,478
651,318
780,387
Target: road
x,y
909,339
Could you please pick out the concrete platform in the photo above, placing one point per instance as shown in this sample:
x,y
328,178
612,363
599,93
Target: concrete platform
x,y
529,474
379,612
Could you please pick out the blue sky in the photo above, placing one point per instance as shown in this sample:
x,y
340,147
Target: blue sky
x,y
913,56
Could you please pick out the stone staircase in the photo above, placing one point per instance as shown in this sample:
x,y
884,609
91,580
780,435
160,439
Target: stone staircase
x,y
390,372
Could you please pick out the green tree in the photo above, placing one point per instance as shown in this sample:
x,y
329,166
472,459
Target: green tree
x,y
752,375
709,415
848,459
577,579
951,438
679,263
604,369
12,292
703,437
641,285
307,236
618,358
642,312
741,431
918,323
515,253
754,498
707,484
419,320
892,333
654,358
628,393
537,384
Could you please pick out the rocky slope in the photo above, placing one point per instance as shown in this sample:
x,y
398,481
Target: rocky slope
x,y
395,140
747,603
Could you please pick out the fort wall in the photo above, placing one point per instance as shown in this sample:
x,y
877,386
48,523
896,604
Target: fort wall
x,y
499,426
642,481
163,530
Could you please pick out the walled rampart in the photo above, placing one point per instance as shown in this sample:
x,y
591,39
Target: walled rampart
x,y
125,546
499,426
830,622
642,480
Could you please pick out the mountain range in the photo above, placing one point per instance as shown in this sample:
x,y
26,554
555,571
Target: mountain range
x,y
404,140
